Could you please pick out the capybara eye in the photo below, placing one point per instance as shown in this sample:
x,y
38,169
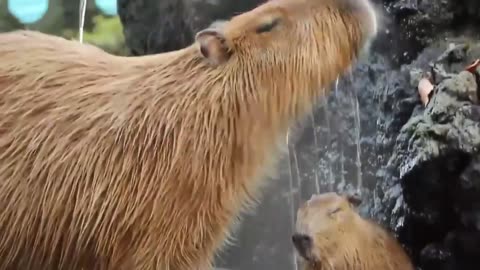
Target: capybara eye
x,y
267,27
354,199
334,211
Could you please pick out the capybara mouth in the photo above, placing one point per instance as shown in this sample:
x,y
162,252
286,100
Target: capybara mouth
x,y
303,244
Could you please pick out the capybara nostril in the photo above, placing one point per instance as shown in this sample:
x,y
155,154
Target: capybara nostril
x,y
302,243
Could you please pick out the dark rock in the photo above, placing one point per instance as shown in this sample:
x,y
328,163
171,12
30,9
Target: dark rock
x,y
454,53
434,161
152,26
435,256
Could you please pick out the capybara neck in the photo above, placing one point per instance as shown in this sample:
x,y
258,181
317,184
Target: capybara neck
x,y
259,93
250,104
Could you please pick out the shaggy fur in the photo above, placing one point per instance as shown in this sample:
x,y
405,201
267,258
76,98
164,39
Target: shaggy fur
x,y
332,236
120,163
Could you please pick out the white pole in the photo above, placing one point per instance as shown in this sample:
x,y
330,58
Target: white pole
x,y
83,10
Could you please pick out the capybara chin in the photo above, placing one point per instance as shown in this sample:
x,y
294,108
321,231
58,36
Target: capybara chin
x,y
128,163
331,235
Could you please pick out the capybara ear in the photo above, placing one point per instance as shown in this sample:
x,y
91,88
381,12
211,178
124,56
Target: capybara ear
x,y
213,46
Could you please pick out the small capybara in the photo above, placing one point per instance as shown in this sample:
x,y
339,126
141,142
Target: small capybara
x,y
129,163
331,235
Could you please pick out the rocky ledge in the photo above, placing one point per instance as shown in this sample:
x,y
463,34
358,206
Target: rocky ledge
x,y
429,193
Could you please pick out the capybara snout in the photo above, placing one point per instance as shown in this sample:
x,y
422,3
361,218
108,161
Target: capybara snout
x,y
302,243
364,11
361,12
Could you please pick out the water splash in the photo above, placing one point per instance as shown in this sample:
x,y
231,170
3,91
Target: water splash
x,y
336,86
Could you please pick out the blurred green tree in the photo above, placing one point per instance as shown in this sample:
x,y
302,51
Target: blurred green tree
x,y
62,19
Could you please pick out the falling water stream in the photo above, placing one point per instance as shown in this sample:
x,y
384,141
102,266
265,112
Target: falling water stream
x,y
342,155
357,139
291,148
331,177
315,141
334,180
83,11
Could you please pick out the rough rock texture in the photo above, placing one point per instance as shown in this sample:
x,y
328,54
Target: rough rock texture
x,y
428,194
417,167
152,26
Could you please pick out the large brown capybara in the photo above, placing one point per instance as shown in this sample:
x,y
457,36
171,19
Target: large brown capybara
x,y
129,163
331,235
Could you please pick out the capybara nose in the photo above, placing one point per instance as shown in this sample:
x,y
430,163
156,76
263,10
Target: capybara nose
x,y
314,197
302,243
365,12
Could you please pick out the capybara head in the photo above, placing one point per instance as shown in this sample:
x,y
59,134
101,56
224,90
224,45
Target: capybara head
x,y
288,49
292,34
322,224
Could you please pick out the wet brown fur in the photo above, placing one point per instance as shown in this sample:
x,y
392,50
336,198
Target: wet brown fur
x,y
343,240
126,163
